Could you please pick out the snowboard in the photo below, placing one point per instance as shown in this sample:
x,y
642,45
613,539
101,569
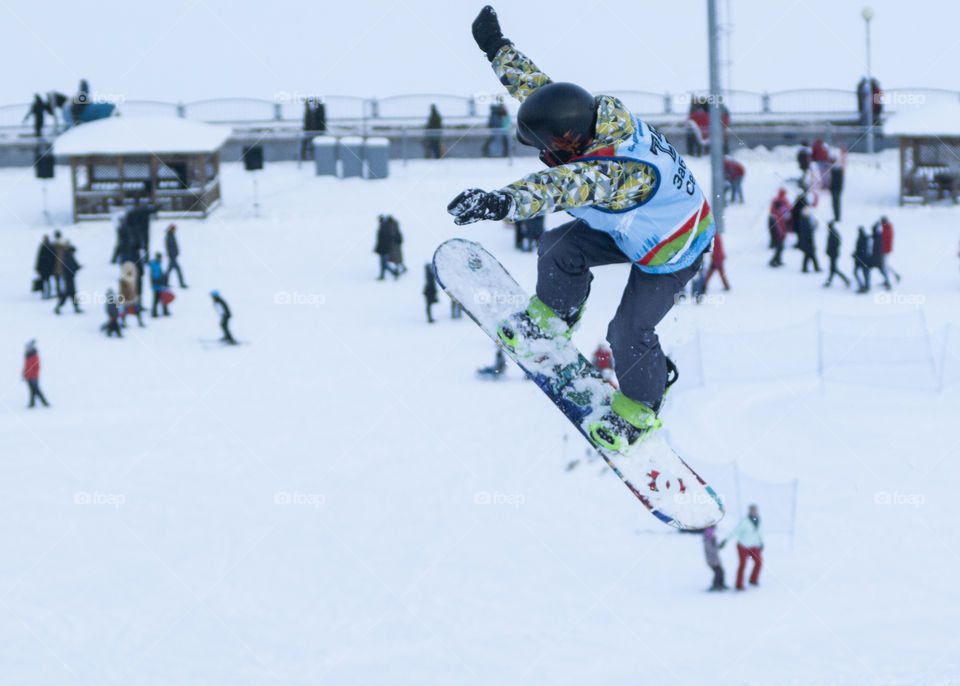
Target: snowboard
x,y
653,472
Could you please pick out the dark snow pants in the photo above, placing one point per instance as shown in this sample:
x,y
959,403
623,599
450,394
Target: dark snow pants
x,y
35,393
225,328
174,265
717,576
835,271
565,258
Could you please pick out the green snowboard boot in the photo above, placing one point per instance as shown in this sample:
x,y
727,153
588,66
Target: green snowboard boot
x,y
627,422
537,322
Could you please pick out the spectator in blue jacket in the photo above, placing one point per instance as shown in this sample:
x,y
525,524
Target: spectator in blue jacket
x,y
158,282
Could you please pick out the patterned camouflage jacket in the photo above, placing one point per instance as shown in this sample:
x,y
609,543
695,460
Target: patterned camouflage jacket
x,y
608,184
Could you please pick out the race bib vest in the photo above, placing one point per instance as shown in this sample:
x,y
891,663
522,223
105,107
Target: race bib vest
x,y
670,228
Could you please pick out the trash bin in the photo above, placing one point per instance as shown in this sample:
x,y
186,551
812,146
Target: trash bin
x,y
377,155
351,157
325,155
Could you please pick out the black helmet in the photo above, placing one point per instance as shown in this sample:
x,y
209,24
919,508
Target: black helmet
x,y
559,119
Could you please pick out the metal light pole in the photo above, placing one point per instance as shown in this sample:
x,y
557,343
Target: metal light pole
x,y
716,117
867,15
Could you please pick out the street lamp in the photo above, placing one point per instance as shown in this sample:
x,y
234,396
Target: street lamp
x,y
867,15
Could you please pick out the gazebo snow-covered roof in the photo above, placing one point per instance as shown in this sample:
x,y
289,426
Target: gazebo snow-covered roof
x,y
171,163
929,151
140,135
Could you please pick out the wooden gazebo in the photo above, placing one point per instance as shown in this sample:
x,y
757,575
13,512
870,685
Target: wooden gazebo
x,y
118,162
929,152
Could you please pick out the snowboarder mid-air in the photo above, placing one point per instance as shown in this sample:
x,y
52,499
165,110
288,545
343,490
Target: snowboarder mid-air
x,y
632,199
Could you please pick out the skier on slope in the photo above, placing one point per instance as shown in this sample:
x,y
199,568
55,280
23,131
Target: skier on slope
x,y
633,200
220,305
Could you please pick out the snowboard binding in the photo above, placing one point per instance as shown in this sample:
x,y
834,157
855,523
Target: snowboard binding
x,y
627,423
537,322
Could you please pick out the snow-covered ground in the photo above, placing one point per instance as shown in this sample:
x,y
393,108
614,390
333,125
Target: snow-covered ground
x,y
340,501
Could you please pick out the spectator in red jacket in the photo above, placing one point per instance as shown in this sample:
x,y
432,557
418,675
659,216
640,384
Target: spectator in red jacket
x,y
603,361
602,357
733,173
698,131
698,125
779,223
819,153
31,373
717,257
886,236
820,159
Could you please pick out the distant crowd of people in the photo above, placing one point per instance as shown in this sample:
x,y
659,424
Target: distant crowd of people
x,y
822,171
56,268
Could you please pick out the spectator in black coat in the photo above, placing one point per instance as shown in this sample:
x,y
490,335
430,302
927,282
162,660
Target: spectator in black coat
x,y
173,251
137,222
833,252
803,157
386,237
37,110
433,135
877,258
383,246
314,122
46,259
836,188
396,249
59,248
127,248
430,290
863,97
112,325
803,225
532,231
498,121
68,274
861,261
220,305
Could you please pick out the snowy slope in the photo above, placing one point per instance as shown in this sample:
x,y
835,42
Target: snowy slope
x,y
308,508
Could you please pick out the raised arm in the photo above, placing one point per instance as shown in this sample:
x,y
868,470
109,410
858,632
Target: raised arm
x,y
514,69
517,72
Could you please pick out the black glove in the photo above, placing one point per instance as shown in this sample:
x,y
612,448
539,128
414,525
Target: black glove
x,y
486,31
475,204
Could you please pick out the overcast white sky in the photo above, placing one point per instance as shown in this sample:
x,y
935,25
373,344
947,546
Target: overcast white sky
x,y
194,49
